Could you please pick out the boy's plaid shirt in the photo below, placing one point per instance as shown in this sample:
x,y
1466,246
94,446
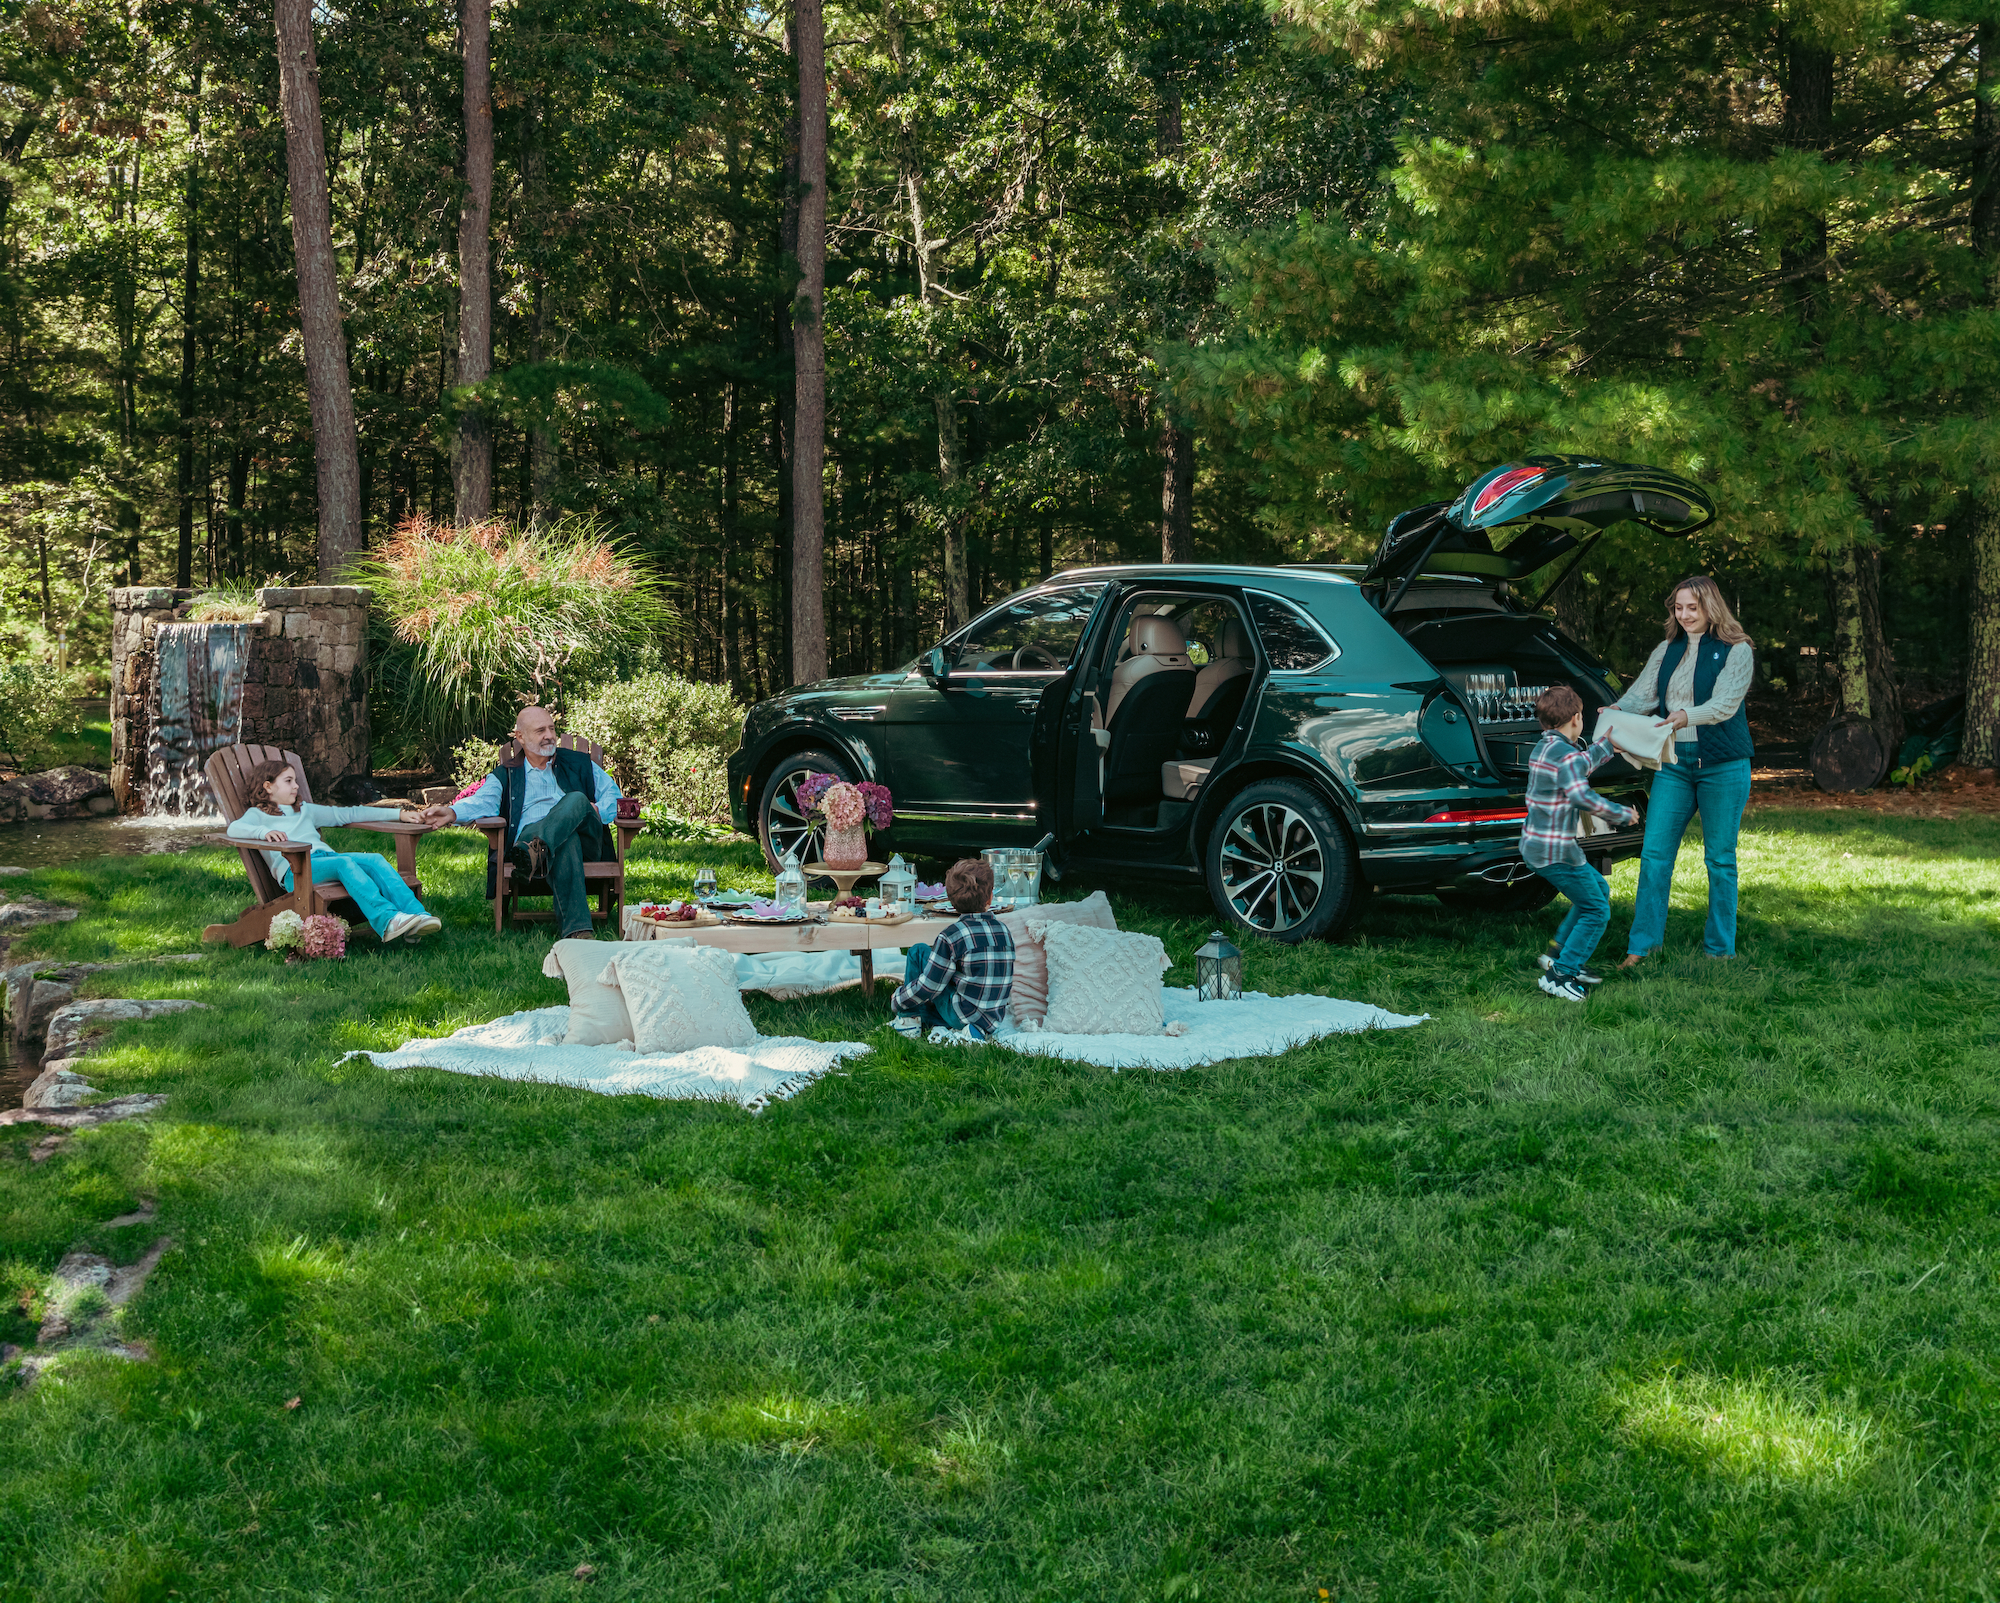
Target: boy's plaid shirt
x,y
1558,788
974,959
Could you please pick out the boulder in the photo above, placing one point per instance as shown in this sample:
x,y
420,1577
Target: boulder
x,y
58,1086
9,873
119,1107
71,1024
14,800
63,787
29,912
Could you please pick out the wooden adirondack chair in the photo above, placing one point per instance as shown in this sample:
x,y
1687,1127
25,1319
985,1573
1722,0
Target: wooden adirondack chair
x,y
229,777
607,878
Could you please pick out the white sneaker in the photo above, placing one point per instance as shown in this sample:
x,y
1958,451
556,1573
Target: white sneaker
x,y
1562,990
907,1025
426,924
399,926
971,1035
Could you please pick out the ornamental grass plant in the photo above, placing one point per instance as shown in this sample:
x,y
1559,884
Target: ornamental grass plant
x,y
484,619
1683,1294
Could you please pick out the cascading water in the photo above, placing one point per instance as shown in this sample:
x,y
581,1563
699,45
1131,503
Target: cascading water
x,y
198,672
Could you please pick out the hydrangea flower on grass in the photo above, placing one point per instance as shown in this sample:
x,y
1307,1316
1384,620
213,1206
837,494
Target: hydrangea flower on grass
x,y
323,936
286,931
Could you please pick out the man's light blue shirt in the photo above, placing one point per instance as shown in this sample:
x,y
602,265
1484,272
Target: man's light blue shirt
x,y
540,793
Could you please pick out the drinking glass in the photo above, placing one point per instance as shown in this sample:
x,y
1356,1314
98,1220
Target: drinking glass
x,y
704,883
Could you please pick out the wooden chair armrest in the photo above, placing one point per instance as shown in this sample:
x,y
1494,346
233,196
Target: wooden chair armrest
x,y
629,830
394,826
489,825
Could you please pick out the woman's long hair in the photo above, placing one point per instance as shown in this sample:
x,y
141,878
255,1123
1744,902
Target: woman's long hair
x,y
1721,621
257,793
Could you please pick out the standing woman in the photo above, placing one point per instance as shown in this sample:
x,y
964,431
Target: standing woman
x,y
1696,680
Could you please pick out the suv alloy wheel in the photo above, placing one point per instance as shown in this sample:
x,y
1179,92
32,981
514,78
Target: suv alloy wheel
x,y
1280,864
781,822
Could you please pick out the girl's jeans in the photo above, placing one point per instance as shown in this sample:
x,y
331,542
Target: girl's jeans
x,y
1719,793
378,890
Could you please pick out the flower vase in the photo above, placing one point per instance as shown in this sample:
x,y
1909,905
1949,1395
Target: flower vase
x,y
845,848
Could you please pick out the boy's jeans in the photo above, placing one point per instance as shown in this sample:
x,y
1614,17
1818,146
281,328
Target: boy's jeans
x,y
1720,794
378,890
1589,912
944,1010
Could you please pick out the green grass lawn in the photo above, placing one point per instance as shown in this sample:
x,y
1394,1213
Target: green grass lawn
x,y
1688,1293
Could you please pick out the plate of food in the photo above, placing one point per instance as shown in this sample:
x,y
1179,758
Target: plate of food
x,y
679,915
761,912
854,910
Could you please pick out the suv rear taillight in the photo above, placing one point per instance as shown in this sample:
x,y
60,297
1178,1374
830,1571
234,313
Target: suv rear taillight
x,y
1496,816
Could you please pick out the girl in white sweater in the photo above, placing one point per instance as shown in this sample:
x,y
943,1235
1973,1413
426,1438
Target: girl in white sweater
x,y
273,813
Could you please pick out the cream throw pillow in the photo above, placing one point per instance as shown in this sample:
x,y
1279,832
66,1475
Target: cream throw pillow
x,y
1102,982
681,995
1029,999
597,1015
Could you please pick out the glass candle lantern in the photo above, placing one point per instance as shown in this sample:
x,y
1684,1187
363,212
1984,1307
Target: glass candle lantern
x,y
898,886
791,884
1218,970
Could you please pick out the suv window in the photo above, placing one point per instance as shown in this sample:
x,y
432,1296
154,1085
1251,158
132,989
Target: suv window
x,y
1293,642
1033,634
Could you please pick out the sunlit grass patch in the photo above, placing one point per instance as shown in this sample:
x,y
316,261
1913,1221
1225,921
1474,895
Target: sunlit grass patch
x,y
1759,1430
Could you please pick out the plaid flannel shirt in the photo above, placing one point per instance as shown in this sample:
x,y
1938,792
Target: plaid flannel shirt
x,y
973,959
1558,789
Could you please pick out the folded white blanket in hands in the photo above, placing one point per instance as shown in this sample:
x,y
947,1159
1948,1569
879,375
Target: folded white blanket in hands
x,y
1648,741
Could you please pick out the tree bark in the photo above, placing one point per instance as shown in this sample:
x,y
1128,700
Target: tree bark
x,y
1176,442
1982,666
472,453
336,459
190,287
951,445
809,354
1850,649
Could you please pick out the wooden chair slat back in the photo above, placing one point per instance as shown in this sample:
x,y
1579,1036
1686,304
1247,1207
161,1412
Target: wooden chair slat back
x,y
510,750
228,774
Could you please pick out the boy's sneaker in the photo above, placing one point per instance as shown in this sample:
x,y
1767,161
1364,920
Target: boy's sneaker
x,y
971,1035
1583,975
907,1025
1560,987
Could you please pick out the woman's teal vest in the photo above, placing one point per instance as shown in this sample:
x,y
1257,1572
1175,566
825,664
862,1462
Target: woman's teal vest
x,y
1728,741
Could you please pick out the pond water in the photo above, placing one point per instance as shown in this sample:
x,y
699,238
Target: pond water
x,y
50,843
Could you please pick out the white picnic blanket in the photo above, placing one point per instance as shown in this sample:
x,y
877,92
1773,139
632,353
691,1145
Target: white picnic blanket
x,y
1648,741
1255,1026
529,1046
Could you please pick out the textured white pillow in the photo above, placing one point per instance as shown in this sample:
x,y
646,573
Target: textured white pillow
x,y
1102,982
1029,999
681,995
597,1015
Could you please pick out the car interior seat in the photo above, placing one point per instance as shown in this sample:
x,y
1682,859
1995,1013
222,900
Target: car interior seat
x,y
1221,683
1145,709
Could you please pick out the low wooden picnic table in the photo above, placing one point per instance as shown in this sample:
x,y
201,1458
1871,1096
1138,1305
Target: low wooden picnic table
x,y
832,935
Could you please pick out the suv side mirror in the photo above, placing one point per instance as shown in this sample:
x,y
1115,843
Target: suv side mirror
x,y
938,664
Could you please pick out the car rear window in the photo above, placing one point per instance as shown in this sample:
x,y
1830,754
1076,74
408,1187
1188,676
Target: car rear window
x,y
1292,641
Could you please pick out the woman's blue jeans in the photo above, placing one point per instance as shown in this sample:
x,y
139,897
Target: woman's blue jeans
x,y
378,890
1719,793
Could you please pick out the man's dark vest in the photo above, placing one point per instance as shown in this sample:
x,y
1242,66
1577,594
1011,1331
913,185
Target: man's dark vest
x,y
575,773
1718,743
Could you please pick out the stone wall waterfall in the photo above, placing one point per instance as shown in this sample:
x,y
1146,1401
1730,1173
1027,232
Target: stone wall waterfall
x,y
199,670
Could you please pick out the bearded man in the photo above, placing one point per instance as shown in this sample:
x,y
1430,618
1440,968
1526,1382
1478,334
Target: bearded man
x,y
556,803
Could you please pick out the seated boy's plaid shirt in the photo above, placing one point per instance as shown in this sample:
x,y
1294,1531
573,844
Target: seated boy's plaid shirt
x,y
975,959
1558,789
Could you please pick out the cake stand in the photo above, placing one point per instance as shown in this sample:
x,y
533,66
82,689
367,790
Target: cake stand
x,y
845,878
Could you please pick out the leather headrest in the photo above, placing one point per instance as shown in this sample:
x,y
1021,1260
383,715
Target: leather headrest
x,y
1157,637
1233,641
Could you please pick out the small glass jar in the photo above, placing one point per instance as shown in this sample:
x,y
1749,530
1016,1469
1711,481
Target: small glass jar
x,y
791,894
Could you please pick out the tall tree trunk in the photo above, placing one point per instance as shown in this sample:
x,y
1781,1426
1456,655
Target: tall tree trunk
x,y
542,458
809,354
1982,666
1885,695
782,414
1850,648
1176,442
336,458
472,452
732,562
951,446
235,559
190,287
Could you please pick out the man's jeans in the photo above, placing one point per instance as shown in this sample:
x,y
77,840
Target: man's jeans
x,y
378,890
563,829
1589,911
1719,794
943,1011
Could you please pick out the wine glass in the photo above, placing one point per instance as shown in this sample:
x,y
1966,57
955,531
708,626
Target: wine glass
x,y
704,883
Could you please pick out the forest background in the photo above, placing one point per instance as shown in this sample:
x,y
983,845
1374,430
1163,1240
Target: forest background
x,y
1103,282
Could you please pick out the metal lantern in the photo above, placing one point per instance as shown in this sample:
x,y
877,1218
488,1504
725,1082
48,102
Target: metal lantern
x,y
791,883
1218,970
898,886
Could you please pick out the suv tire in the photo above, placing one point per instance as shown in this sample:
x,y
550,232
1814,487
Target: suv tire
x,y
1279,863
776,792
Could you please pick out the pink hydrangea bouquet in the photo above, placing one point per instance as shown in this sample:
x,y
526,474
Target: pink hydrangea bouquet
x,y
319,935
866,804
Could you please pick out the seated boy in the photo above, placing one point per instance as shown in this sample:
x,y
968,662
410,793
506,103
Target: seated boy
x,y
1558,787
961,982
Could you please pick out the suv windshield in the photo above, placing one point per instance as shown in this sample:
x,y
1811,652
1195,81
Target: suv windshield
x,y
1030,634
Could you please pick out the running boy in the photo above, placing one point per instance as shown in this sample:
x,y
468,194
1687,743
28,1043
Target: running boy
x,y
1558,786
961,983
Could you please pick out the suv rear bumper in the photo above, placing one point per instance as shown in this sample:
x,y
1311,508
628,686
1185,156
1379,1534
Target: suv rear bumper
x,y
1470,865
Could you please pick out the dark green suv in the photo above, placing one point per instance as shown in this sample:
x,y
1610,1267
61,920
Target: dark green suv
x,y
1288,735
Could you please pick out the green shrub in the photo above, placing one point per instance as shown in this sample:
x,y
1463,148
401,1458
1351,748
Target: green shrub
x,y
234,602
473,761
34,704
485,619
665,741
